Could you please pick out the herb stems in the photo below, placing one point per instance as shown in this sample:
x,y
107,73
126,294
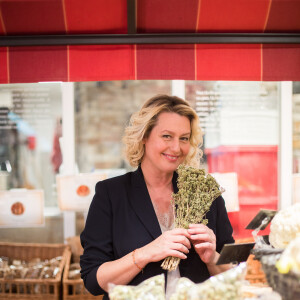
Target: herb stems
x,y
196,192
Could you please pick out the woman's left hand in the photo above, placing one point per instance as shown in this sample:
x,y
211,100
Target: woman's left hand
x,y
204,242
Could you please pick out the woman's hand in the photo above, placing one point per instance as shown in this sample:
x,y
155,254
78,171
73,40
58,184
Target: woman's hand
x,y
173,242
204,242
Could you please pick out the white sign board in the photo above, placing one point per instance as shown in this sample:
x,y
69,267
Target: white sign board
x,y
75,192
229,182
21,208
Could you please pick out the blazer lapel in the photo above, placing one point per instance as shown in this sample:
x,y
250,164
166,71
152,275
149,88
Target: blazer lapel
x,y
142,205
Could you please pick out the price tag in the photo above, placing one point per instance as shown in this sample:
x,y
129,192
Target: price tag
x,y
235,253
262,219
21,208
75,192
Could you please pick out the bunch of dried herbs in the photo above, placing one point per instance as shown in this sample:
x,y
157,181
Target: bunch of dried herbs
x,y
196,192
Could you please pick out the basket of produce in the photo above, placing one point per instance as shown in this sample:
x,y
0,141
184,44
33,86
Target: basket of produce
x,y
73,287
281,260
151,288
31,271
225,286
259,253
287,284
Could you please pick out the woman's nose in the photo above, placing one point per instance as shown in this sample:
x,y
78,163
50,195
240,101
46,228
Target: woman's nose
x,y
175,145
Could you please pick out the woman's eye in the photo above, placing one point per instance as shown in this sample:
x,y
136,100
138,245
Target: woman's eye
x,y
186,139
166,136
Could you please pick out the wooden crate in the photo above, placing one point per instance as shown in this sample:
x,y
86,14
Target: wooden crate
x,y
28,289
73,289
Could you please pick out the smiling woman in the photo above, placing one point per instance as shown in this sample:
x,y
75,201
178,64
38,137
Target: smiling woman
x,y
143,121
135,213
168,143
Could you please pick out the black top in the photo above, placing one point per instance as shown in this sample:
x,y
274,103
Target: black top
x,y
121,218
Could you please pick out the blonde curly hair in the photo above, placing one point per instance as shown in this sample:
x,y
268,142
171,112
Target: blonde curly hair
x,y
142,122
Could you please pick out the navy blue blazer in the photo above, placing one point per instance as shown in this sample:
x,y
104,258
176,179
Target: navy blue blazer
x,y
121,218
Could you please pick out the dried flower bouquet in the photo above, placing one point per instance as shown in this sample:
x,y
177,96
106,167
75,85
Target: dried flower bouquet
x,y
196,192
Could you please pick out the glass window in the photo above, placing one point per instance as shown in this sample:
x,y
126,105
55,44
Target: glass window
x,y
240,121
296,142
241,125
30,127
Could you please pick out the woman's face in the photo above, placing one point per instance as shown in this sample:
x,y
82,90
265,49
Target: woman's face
x,y
168,143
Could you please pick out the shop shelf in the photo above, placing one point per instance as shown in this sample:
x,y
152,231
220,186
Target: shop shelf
x,y
29,289
73,289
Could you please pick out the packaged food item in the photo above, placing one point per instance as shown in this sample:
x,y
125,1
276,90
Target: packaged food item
x,y
34,272
285,226
34,262
54,262
150,289
74,266
74,271
3,261
224,286
290,258
182,287
49,272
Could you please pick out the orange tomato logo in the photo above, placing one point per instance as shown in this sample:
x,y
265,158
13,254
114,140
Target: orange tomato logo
x,y
17,208
83,191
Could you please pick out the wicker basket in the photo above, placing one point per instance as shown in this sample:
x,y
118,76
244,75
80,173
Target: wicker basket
x,y
73,289
259,253
287,285
46,289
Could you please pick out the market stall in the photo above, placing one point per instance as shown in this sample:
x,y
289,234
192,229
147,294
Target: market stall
x,y
72,41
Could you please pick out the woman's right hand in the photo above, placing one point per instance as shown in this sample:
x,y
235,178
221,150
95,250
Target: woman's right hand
x,y
173,242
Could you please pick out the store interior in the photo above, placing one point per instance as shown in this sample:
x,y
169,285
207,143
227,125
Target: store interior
x,y
240,120
71,75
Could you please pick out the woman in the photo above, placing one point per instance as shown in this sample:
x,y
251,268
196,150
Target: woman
x,y
130,225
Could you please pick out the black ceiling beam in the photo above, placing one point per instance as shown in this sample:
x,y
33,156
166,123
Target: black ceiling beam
x,y
131,17
175,38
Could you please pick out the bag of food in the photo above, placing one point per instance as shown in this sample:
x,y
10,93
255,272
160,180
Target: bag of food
x,y
152,288
224,286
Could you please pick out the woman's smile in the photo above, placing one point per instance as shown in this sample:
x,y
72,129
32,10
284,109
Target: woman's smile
x,y
171,157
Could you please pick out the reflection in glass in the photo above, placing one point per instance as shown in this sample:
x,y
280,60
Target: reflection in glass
x,y
28,126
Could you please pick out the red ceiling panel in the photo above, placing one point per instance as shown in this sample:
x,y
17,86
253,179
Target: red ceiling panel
x,y
93,63
165,61
166,15
284,16
228,62
233,15
3,64
33,64
99,16
281,62
2,28
203,62
33,17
